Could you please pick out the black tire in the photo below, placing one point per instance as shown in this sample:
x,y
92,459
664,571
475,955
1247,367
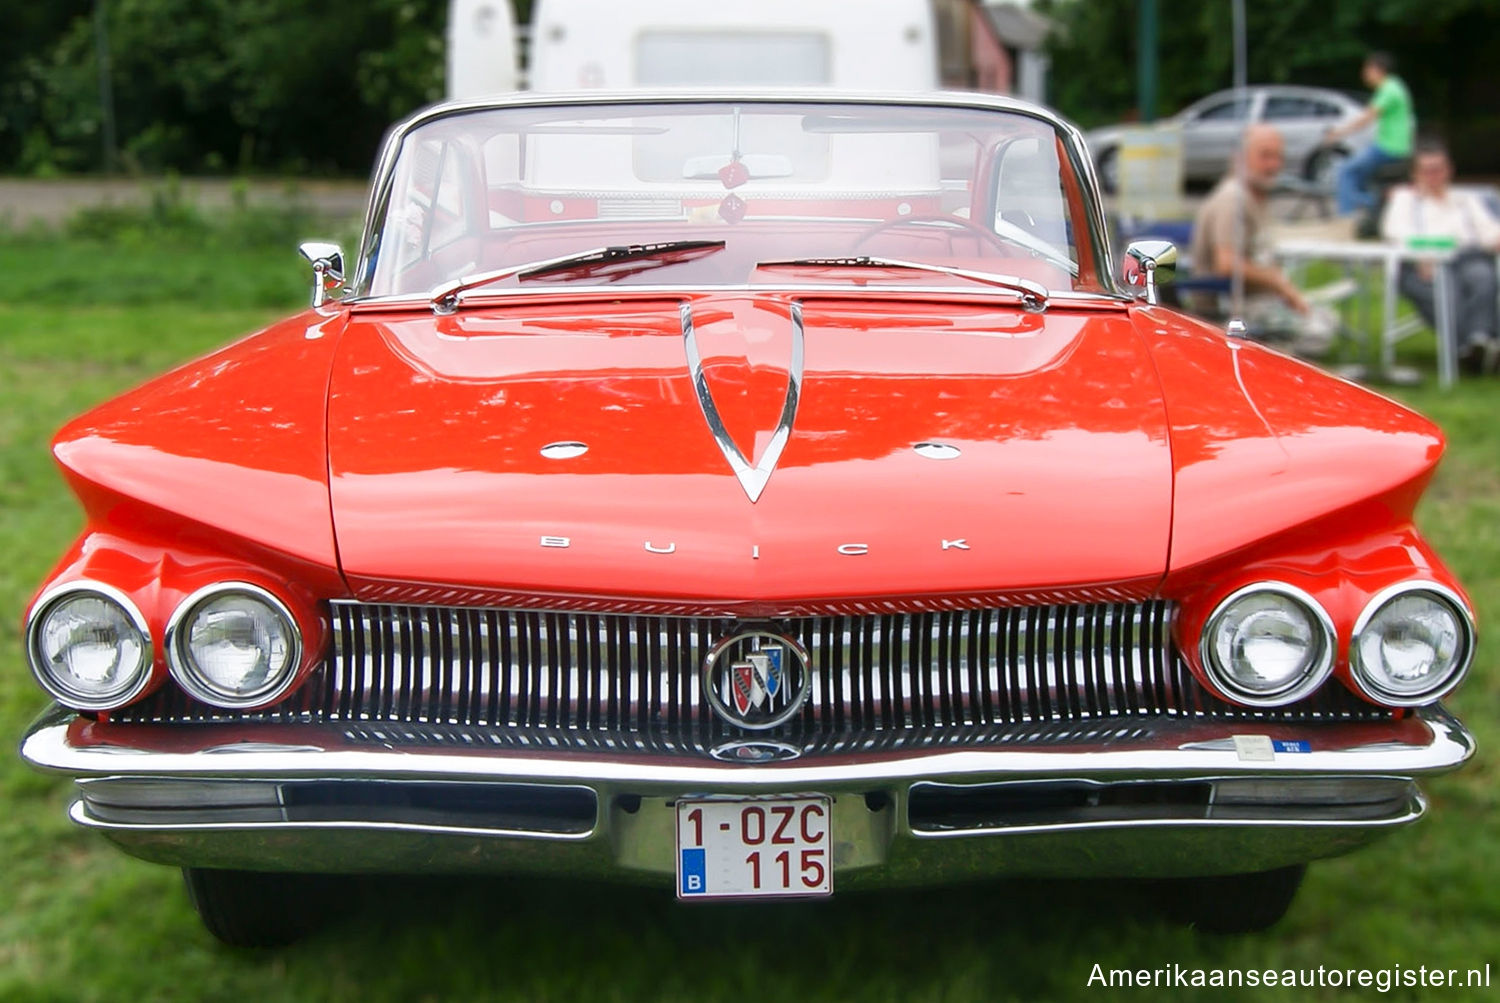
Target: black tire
x,y
1107,167
1233,903
257,909
1323,166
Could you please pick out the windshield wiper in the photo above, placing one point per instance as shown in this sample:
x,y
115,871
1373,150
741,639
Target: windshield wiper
x,y
445,298
1034,295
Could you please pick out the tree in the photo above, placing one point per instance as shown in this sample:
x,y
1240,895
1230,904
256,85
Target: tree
x,y
212,84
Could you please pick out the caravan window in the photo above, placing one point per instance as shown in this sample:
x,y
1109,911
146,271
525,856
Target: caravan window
x,y
718,59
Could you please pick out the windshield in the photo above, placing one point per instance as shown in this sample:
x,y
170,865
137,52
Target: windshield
x,y
970,189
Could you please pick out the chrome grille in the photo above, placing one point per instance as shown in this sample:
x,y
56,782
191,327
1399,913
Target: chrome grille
x,y
586,671
602,680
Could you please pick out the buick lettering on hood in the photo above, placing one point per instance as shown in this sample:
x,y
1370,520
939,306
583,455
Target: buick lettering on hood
x,y
752,495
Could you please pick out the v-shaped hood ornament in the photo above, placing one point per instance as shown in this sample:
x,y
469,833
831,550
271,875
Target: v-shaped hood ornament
x,y
752,477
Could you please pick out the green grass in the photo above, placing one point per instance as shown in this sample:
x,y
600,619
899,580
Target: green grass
x,y
79,920
43,270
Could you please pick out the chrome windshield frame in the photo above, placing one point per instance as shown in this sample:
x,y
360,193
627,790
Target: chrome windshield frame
x,y
382,180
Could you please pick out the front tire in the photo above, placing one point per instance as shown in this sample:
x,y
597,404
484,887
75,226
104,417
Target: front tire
x,y
1233,903
257,909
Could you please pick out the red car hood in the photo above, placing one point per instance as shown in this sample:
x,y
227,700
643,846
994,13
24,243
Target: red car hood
x,y
1057,478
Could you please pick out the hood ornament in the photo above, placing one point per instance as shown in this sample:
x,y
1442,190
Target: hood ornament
x,y
752,477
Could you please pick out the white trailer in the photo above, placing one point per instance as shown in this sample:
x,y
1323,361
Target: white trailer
x,y
483,48
575,45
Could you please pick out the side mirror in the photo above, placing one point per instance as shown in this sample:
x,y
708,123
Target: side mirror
x,y
1149,264
328,268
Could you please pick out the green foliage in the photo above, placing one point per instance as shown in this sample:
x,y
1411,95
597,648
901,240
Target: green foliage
x,y
392,80
169,216
1441,47
167,250
206,85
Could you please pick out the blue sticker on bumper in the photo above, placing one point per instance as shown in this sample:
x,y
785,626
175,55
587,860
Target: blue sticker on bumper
x,y
1282,745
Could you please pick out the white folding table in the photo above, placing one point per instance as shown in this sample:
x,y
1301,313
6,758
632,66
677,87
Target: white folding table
x,y
1389,258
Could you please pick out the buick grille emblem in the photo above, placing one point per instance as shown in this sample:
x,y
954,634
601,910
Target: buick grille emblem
x,y
756,679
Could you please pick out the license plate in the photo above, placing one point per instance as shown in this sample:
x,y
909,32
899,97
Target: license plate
x,y
754,848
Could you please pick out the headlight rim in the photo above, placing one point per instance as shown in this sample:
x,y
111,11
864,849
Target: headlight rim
x,y
1357,673
180,664
143,669
1320,673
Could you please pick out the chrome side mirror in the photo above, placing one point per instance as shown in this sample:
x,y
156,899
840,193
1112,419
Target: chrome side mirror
x,y
328,268
1149,264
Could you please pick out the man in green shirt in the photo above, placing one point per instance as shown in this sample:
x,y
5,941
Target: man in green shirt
x,y
1395,128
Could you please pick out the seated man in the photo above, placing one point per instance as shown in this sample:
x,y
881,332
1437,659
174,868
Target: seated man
x,y
1429,213
1228,238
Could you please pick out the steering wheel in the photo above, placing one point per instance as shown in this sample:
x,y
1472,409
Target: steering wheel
x,y
985,234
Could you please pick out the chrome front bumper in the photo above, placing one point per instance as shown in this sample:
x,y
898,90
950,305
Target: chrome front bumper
x,y
1134,797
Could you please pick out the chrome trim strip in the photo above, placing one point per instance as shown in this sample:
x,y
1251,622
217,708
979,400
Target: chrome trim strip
x,y
753,478
165,803
1296,800
805,290
186,674
1414,810
1368,688
1202,749
78,813
34,659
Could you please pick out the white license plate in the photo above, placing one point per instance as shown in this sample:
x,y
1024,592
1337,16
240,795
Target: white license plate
x,y
754,848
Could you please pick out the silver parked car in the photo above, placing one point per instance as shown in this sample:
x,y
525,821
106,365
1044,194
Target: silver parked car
x,y
1211,128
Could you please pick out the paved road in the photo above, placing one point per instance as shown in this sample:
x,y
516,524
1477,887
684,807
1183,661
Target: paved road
x,y
24,201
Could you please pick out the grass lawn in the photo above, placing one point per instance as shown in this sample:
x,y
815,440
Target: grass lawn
x,y
78,920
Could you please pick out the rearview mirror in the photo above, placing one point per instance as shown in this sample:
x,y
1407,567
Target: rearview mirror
x,y
756,166
1148,265
328,267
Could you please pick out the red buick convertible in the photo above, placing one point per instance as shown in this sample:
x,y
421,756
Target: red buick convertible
x,y
751,495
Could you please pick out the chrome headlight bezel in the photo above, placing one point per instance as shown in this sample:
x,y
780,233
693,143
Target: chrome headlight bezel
x,y
1359,673
1315,676
188,675
49,601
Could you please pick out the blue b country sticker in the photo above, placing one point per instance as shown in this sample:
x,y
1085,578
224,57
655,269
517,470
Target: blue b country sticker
x,y
1284,745
694,871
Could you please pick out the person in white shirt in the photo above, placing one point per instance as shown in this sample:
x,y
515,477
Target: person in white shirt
x,y
1429,212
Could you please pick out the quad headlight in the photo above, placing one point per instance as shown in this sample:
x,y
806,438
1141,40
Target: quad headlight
x,y
89,646
1268,644
233,645
1412,644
